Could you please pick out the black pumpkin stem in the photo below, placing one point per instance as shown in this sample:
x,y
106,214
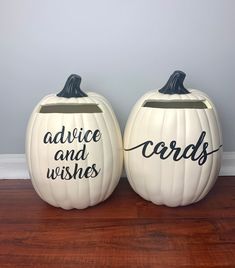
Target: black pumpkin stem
x,y
72,88
175,84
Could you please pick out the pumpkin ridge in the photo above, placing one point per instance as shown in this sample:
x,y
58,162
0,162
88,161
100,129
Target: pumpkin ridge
x,y
78,121
57,202
86,162
34,182
197,189
65,188
208,182
184,163
107,190
160,166
174,166
101,195
37,125
147,119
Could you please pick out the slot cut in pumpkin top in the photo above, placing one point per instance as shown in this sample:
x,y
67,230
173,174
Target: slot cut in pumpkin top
x,y
70,108
177,104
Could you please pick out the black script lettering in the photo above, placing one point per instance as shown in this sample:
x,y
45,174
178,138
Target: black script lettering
x,y
53,173
59,136
197,146
69,136
145,145
86,136
65,173
97,135
72,154
95,171
177,150
198,152
186,151
47,138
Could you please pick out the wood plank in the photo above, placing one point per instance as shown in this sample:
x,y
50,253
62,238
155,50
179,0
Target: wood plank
x,y
123,231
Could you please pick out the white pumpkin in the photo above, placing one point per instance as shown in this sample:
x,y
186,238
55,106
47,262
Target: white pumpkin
x,y
173,144
74,148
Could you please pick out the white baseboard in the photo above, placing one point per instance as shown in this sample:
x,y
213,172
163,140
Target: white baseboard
x,y
228,164
13,166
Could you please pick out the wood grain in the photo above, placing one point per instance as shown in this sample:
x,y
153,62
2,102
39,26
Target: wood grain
x,y
124,231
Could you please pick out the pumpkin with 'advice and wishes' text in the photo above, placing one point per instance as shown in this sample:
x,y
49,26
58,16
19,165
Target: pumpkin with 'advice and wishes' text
x,y
74,148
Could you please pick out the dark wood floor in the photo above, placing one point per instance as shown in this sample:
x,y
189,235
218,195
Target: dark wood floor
x,y
124,231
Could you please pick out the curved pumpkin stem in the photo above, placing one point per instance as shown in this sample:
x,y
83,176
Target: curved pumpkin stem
x,y
175,84
72,88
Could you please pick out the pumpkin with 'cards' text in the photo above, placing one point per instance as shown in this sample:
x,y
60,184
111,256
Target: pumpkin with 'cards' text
x,y
173,144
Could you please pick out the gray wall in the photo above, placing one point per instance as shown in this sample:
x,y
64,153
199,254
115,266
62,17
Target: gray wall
x,y
120,48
